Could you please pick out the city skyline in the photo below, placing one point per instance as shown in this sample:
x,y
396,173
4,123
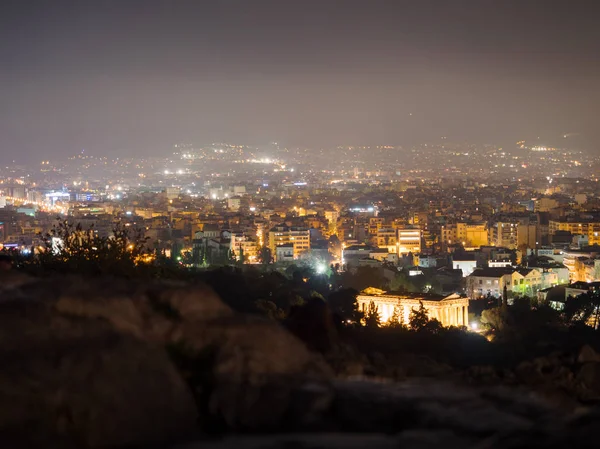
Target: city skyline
x,y
134,78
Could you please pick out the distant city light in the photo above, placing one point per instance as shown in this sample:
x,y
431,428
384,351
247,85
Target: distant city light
x,y
321,268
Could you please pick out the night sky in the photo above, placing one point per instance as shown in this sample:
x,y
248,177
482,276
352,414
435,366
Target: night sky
x,y
135,77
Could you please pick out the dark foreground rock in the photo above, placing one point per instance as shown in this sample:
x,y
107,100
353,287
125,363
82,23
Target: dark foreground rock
x,y
419,414
565,379
103,390
115,364
107,363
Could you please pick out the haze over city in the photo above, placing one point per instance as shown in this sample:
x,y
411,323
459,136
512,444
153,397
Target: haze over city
x,y
132,78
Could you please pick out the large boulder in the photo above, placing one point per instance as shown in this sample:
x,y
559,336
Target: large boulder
x,y
588,377
243,372
430,413
587,354
73,382
256,369
150,311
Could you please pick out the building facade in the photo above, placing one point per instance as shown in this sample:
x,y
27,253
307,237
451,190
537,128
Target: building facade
x,y
244,245
504,234
467,234
451,310
408,241
298,237
591,229
492,281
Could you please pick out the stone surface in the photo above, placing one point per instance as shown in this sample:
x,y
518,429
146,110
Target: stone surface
x,y
589,377
13,279
587,354
76,383
242,372
256,368
120,364
423,414
299,441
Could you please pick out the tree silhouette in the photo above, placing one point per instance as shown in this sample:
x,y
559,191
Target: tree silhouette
x,y
418,318
396,320
264,256
70,248
372,316
343,304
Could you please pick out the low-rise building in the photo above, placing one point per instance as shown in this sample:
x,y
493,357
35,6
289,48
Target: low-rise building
x,y
492,281
451,310
284,253
352,254
245,246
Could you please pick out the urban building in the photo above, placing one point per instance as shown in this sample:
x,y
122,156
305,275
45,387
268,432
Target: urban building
x,y
577,226
468,234
451,310
298,237
408,240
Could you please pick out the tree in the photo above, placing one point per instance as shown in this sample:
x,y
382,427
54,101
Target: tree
x,y
493,319
264,256
372,316
68,247
187,258
175,252
198,255
402,283
583,308
343,304
433,326
418,318
269,309
471,288
231,257
361,278
396,321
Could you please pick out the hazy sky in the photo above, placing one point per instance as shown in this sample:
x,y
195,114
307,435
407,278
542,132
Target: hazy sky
x,y
138,76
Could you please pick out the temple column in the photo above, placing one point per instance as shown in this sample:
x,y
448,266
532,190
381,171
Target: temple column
x,y
466,315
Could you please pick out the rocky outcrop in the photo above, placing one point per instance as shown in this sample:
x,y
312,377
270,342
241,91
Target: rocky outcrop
x,y
107,363
568,380
420,414
119,364
77,383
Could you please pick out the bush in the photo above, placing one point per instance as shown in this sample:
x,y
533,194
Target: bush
x,y
70,248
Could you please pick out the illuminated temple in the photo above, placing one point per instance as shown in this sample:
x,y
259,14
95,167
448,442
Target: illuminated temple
x,y
452,310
